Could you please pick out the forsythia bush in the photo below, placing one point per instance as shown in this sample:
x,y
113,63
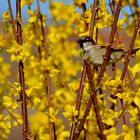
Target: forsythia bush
x,y
55,52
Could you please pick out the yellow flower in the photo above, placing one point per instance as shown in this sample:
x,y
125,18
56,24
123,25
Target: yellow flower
x,y
79,2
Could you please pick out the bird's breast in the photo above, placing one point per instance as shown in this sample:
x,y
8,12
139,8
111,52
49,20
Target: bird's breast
x,y
96,55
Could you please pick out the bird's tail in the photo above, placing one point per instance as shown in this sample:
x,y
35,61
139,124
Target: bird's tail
x,y
134,51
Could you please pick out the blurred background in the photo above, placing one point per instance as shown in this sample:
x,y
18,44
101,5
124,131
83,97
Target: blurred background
x,y
54,31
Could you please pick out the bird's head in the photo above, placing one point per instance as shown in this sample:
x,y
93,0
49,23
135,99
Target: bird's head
x,y
85,41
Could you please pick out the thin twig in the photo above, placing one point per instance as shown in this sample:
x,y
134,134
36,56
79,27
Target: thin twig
x,y
18,38
106,57
96,37
124,109
93,18
85,133
79,96
11,114
82,121
131,10
90,76
80,92
52,128
128,57
42,28
112,7
130,80
12,20
35,32
93,99
78,102
83,6
21,74
121,114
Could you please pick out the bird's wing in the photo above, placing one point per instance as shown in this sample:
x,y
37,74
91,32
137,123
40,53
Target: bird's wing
x,y
117,50
101,46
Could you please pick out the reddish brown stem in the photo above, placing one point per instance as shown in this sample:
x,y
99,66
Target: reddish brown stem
x,y
92,99
12,115
35,32
42,28
92,25
128,57
85,133
52,128
90,76
21,74
93,18
82,121
12,20
24,102
78,101
80,92
106,57
112,7
18,38
79,95
121,114
83,6
130,80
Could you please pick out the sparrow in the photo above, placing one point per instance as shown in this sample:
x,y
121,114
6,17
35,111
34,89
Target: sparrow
x,y
97,52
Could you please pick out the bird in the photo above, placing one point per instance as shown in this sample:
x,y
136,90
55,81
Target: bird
x,y
96,52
